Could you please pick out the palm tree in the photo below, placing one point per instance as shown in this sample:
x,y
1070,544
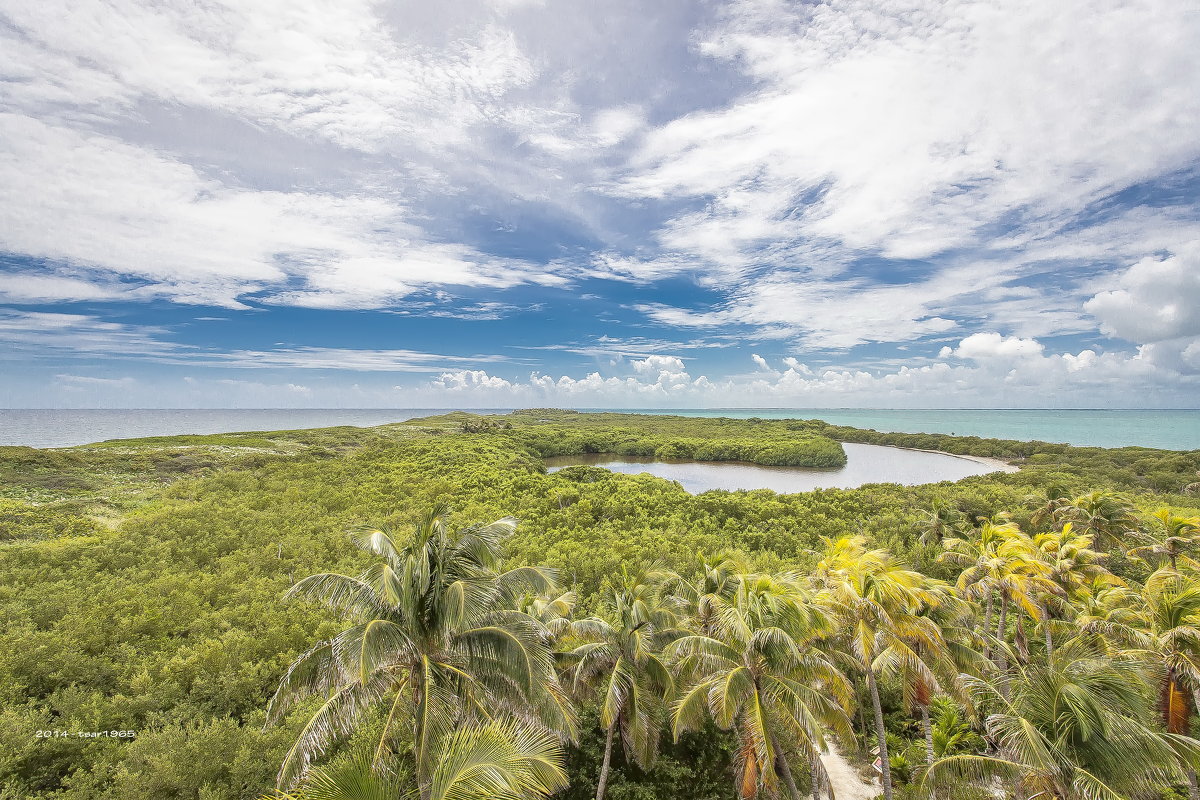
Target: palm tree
x,y
1171,538
977,553
879,600
1003,563
948,648
621,656
1071,566
758,672
479,762
1163,623
718,580
938,522
1046,507
1105,516
434,629
1069,729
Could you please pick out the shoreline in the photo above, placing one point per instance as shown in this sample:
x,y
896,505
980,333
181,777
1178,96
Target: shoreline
x,y
1000,464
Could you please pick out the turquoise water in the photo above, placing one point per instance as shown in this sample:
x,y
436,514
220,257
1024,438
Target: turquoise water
x,y
1172,430
1169,430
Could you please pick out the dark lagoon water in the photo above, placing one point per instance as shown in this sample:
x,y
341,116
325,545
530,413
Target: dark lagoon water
x,y
865,463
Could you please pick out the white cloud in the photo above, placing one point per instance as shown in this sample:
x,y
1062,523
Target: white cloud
x,y
1005,372
654,365
346,77
826,314
986,346
1156,299
979,123
334,358
26,288
761,362
41,334
140,214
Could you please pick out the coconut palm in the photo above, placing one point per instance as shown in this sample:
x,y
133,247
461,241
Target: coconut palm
x,y
949,648
621,658
1072,729
880,601
434,632
1047,505
758,673
1105,516
1071,566
977,552
477,762
1169,537
939,522
1003,563
697,598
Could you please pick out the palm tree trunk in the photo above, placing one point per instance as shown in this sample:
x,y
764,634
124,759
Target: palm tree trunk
x,y
928,729
1193,788
602,783
987,624
817,769
1046,632
424,791
785,772
880,735
1001,629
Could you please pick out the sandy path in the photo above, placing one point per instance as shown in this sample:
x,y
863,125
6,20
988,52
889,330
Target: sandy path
x,y
847,785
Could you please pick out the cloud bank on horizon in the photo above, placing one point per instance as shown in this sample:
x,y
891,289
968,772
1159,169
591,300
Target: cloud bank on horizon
x,y
494,203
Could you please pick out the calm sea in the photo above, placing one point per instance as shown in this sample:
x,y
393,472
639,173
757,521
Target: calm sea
x,y
1174,430
64,428
1166,429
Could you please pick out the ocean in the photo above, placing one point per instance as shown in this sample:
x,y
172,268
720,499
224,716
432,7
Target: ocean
x,y
1171,429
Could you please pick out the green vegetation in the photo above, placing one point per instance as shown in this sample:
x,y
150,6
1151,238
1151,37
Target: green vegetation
x,y
143,584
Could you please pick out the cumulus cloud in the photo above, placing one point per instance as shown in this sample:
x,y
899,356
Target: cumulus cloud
x,y
985,346
1155,299
1000,372
653,365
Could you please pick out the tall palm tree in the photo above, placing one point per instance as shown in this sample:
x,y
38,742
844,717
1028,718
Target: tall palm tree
x,y
1163,624
880,601
977,552
1069,729
949,648
434,631
479,762
1105,516
719,578
1047,506
1071,566
939,522
757,671
1171,538
1003,563
621,657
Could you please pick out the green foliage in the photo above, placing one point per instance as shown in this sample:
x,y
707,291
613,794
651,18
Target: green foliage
x,y
141,583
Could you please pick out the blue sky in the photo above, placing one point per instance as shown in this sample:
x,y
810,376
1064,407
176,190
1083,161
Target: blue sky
x,y
494,203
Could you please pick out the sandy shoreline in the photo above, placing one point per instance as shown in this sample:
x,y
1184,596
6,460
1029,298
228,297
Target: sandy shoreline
x,y
999,465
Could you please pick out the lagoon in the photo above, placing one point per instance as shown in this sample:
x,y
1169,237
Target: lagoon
x,y
865,463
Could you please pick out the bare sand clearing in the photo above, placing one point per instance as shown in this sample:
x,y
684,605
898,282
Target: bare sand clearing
x,y
847,784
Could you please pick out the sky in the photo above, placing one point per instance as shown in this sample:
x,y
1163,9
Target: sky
x,y
611,204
